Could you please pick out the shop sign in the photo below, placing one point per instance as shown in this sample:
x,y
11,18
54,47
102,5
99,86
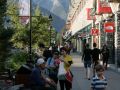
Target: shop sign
x,y
94,31
89,16
109,27
103,7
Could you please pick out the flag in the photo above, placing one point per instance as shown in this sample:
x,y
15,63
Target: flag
x,y
24,11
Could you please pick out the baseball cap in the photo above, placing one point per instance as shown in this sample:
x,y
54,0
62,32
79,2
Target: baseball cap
x,y
40,61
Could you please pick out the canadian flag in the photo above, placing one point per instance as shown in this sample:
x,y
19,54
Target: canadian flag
x,y
109,27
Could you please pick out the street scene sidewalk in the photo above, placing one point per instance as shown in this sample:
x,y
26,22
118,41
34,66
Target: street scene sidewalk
x,y
81,83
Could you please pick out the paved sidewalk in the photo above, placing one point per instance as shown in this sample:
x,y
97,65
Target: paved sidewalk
x,y
81,83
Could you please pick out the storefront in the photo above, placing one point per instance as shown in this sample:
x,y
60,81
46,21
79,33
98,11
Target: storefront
x,y
82,37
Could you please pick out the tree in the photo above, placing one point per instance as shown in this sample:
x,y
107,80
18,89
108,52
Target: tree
x,y
20,37
5,35
40,32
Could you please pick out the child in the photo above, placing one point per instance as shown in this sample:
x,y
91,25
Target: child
x,y
99,82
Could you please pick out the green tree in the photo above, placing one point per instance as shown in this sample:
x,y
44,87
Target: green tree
x,y
17,59
20,36
40,32
21,33
5,35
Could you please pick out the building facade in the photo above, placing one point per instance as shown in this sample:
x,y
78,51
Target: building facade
x,y
97,21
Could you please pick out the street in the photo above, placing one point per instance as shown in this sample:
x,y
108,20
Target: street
x,y
81,83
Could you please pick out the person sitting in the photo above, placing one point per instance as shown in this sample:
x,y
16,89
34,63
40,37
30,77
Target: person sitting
x,y
52,66
38,79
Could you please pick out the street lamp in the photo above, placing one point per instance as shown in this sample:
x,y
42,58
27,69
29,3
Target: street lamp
x,y
30,32
50,19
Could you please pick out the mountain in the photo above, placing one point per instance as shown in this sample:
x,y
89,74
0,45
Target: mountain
x,y
57,8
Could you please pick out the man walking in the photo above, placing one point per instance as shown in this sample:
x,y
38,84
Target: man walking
x,y
95,56
105,55
86,57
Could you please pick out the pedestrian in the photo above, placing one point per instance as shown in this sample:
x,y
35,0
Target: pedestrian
x,y
47,53
52,65
39,81
105,55
86,57
99,81
65,80
68,48
95,56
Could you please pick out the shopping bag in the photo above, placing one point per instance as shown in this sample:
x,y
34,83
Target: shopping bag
x,y
69,76
61,70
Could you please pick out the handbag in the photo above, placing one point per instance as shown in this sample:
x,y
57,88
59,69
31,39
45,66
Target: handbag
x,y
69,76
61,69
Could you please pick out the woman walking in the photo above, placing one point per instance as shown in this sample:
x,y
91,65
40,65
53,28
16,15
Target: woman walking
x,y
65,80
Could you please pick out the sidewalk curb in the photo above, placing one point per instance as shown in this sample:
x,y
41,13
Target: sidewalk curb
x,y
114,69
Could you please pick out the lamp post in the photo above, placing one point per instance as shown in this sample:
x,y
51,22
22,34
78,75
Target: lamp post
x,y
98,21
30,32
50,19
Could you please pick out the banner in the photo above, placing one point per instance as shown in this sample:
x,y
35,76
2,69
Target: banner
x,y
24,11
89,16
109,27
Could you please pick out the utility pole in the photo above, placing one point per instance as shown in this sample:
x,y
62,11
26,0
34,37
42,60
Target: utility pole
x,y
50,19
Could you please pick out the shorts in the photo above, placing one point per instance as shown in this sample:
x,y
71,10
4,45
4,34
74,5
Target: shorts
x,y
87,64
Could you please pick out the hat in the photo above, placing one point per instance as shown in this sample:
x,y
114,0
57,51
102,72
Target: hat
x,y
40,61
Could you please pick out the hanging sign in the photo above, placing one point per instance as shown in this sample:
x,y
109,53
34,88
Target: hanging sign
x,y
109,27
103,7
94,31
89,16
